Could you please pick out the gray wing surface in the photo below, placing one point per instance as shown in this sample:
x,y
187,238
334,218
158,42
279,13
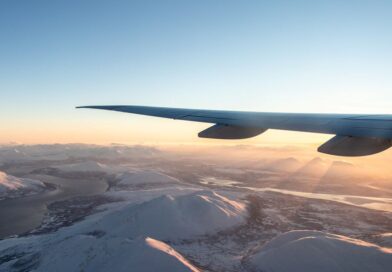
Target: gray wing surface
x,y
356,135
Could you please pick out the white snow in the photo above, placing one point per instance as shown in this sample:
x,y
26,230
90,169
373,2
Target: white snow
x,y
86,252
11,186
158,245
318,251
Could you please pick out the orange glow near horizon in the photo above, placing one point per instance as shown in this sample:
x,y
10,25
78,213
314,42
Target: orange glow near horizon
x,y
104,129
126,129
181,137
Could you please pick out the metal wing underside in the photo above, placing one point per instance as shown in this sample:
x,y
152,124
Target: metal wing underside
x,y
359,135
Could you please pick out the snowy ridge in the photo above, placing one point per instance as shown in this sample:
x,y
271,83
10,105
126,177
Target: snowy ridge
x,y
170,251
319,251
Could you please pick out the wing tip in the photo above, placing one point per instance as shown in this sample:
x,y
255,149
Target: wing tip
x,y
94,107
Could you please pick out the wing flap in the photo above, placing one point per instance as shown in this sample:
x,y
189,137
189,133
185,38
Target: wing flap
x,y
354,146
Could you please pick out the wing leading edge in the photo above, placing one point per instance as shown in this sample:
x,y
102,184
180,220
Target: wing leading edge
x,y
357,135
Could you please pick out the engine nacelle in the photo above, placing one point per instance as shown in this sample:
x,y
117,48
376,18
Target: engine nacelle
x,y
220,131
354,146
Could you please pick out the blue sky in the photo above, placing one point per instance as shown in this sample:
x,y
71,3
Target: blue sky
x,y
300,56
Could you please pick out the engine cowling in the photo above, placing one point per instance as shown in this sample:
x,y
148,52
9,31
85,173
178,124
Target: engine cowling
x,y
354,146
221,131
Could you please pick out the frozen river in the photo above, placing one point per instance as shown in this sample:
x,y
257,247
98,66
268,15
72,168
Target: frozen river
x,y
377,203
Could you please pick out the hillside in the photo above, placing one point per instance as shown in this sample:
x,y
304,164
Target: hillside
x,y
116,240
11,187
319,251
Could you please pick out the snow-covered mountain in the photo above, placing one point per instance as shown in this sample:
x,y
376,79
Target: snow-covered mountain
x,y
11,187
318,251
316,167
117,240
176,217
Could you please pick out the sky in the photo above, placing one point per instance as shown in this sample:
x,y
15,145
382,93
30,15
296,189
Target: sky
x,y
279,56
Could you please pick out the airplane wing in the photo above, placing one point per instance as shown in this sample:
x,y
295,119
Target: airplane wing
x,y
355,134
